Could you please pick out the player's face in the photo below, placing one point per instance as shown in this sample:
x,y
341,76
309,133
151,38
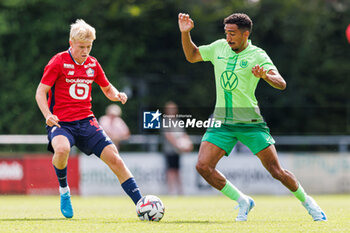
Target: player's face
x,y
235,38
80,50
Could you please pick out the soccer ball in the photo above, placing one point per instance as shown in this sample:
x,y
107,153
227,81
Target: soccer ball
x,y
150,208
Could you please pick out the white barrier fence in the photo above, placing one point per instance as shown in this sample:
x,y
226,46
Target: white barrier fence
x,y
318,173
152,142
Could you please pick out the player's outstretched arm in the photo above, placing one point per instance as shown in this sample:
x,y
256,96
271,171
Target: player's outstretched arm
x,y
41,99
272,77
190,49
113,94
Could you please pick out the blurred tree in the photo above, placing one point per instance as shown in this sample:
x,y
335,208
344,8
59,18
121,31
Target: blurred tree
x,y
138,45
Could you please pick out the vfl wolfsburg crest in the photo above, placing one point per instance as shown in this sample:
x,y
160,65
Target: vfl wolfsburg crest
x,y
228,80
243,63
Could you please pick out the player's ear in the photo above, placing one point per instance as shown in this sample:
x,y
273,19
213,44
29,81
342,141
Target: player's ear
x,y
70,43
246,34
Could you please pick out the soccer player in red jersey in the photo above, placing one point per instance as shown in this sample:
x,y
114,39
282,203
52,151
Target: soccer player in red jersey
x,y
67,80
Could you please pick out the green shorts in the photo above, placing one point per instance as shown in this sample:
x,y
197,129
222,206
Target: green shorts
x,y
255,136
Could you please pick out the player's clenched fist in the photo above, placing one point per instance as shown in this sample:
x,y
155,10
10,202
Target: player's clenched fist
x,y
122,97
185,22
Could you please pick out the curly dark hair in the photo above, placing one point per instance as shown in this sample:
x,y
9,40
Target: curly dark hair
x,y
241,20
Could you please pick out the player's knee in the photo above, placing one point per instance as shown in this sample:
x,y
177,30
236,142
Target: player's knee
x,y
202,168
62,151
115,162
60,157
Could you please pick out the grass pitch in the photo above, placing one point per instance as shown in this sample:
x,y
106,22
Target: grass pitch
x,y
182,214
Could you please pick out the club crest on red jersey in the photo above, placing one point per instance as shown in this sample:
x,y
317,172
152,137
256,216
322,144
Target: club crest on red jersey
x,y
90,72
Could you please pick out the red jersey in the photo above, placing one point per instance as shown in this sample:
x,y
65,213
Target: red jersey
x,y
70,94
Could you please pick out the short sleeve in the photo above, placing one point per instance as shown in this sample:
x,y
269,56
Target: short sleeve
x,y
51,71
101,78
208,51
266,62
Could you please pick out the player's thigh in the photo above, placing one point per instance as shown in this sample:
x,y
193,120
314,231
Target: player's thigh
x,y
60,139
256,139
223,137
269,158
209,154
91,138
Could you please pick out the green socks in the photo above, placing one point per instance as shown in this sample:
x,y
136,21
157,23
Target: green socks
x,y
300,194
230,191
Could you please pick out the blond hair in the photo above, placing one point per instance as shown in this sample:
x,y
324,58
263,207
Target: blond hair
x,y
81,31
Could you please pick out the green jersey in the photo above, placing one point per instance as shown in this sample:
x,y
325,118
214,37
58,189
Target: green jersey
x,y
235,82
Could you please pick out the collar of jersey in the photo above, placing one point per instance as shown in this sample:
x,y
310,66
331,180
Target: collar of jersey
x,y
70,53
244,51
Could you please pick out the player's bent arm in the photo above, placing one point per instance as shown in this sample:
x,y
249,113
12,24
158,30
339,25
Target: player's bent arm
x,y
113,94
275,80
272,77
41,99
191,51
110,92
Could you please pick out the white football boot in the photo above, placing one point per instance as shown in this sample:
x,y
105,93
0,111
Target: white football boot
x,y
314,210
244,206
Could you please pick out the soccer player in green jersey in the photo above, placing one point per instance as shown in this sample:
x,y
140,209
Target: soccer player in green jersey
x,y
238,67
